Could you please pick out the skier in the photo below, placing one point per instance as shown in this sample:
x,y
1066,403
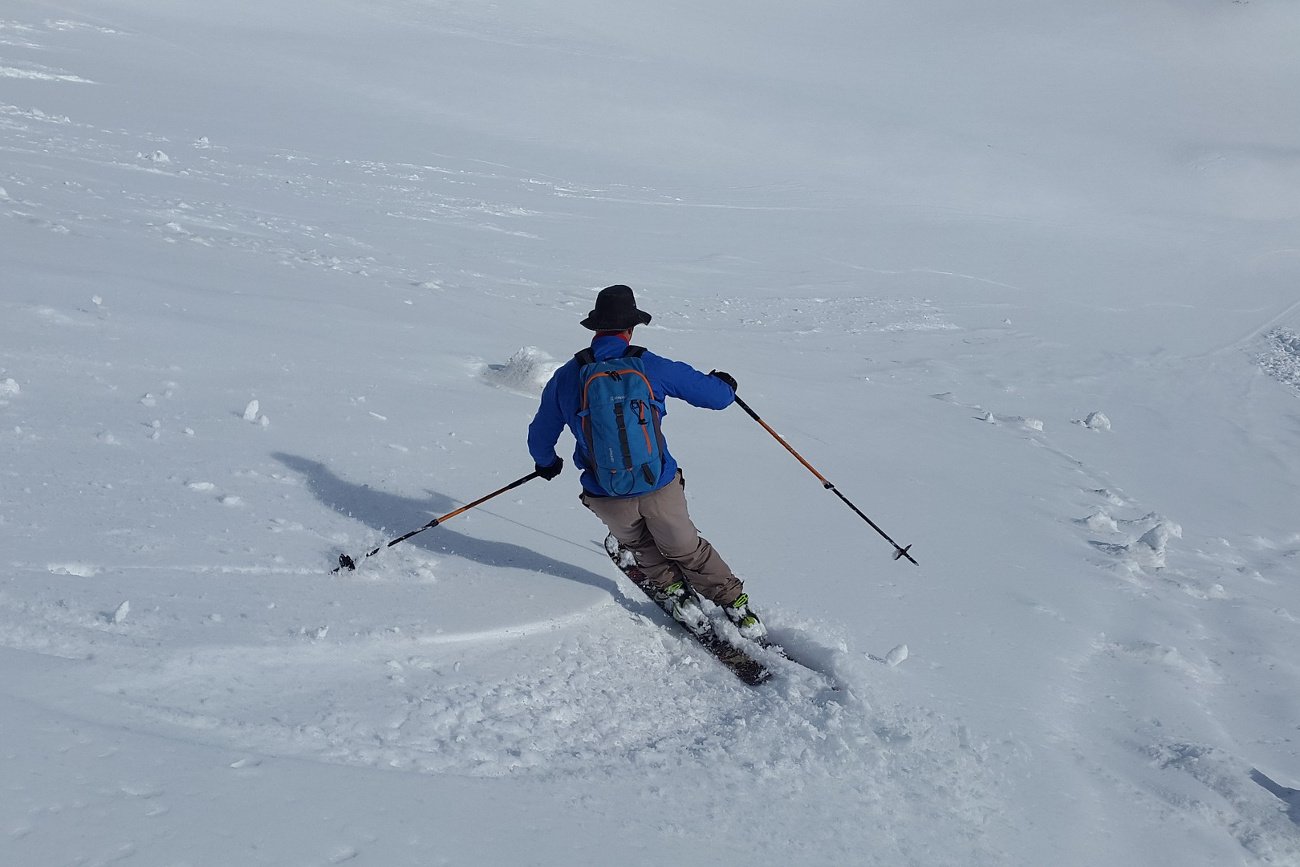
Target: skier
x,y
640,498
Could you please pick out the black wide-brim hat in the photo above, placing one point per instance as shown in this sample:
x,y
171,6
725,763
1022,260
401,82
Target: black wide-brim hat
x,y
615,310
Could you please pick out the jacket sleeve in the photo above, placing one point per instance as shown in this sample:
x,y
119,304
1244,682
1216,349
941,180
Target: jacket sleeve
x,y
544,431
678,379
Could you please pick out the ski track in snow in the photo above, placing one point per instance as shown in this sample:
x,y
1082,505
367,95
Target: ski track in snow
x,y
1142,549
586,699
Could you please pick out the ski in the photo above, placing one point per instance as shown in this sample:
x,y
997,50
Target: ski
x,y
740,663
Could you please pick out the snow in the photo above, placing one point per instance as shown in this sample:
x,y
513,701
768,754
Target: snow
x,y
1096,421
941,247
527,370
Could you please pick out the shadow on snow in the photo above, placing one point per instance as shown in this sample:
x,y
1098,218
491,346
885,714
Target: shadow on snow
x,y
383,512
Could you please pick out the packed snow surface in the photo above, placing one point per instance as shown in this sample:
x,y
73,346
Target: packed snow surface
x,y
283,281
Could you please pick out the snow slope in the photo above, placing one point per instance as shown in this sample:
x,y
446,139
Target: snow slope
x,y
282,283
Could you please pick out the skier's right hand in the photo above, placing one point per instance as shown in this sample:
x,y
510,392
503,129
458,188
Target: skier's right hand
x,y
550,472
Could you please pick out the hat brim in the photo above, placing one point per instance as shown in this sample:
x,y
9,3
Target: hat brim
x,y
594,323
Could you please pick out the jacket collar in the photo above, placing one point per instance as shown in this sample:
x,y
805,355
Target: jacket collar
x,y
610,346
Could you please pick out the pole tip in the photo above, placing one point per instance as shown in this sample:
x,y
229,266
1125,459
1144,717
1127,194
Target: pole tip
x,y
346,562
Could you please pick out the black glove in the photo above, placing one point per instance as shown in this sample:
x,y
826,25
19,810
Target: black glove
x,y
550,472
725,377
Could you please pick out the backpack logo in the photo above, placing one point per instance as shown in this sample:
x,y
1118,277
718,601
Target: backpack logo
x,y
620,423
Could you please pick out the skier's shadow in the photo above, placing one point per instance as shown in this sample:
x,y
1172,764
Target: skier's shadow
x,y
1288,796
384,512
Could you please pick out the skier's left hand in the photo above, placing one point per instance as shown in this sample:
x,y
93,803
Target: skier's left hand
x,y
725,377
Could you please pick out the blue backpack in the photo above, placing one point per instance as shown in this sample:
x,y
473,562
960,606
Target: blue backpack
x,y
620,422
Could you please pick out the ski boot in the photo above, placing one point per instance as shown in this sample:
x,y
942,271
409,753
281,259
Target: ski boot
x,y
747,622
681,602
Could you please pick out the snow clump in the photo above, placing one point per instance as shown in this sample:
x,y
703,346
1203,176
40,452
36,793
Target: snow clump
x,y
1095,421
1149,550
253,414
896,655
528,370
1281,358
1100,521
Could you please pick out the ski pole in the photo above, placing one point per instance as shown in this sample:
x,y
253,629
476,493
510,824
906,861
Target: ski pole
x,y
899,552
346,562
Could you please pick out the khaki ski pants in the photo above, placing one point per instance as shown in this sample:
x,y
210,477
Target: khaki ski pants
x,y
658,530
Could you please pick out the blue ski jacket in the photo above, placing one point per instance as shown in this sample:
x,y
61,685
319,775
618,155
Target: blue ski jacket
x,y
562,397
